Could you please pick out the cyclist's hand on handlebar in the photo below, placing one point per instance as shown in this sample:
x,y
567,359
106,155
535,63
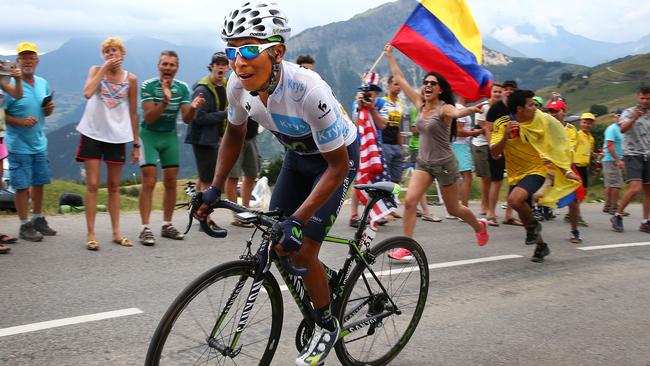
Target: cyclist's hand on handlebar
x,y
291,235
209,198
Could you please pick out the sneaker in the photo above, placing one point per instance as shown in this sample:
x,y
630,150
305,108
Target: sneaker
x,y
401,254
607,208
617,223
504,206
40,225
169,231
354,221
431,218
575,237
538,214
645,227
319,346
146,237
29,233
548,213
450,217
4,249
582,222
482,237
533,233
541,251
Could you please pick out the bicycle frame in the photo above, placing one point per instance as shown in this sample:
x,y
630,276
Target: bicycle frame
x,y
359,251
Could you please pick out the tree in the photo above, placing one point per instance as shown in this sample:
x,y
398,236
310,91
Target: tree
x,y
598,109
566,76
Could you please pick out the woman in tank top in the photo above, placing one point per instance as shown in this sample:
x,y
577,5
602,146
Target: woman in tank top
x,y
109,122
436,158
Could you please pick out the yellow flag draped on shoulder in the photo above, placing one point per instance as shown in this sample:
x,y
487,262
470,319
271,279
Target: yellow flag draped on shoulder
x,y
546,134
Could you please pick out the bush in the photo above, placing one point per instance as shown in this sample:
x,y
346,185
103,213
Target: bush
x,y
132,191
273,170
599,109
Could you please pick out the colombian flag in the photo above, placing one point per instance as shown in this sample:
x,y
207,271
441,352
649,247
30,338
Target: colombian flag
x,y
441,35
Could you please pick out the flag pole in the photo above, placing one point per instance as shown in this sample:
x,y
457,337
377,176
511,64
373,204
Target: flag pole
x,y
376,62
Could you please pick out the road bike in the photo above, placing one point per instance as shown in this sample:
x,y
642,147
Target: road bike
x,y
233,313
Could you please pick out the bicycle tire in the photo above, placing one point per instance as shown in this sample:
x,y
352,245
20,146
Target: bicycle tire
x,y
182,348
376,348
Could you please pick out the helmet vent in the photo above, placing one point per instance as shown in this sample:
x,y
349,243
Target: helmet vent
x,y
230,26
259,28
246,10
241,20
234,14
254,13
278,22
255,21
274,12
238,30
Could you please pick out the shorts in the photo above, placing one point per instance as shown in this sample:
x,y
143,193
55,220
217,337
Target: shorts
x,y
446,173
29,170
463,153
531,184
3,149
612,175
298,177
206,161
394,161
497,168
91,149
248,162
158,146
583,171
481,157
413,156
637,168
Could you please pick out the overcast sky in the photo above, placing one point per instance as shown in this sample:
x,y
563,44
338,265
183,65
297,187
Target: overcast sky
x,y
49,23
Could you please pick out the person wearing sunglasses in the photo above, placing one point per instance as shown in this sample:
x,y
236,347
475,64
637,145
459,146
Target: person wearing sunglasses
x,y
436,158
322,155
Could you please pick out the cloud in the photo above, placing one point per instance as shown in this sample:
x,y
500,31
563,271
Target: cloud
x,y
510,36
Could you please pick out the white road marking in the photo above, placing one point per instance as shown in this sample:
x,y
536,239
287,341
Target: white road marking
x,y
68,321
611,246
438,265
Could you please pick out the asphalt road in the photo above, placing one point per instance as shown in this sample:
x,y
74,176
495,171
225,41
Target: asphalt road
x,y
579,307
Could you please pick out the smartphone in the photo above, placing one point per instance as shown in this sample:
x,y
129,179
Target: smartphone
x,y
47,99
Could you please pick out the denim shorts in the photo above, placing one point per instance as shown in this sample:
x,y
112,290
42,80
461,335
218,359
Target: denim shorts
x,y
29,170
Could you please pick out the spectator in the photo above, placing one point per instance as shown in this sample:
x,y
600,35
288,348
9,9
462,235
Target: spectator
x,y
247,167
16,91
613,165
481,153
306,61
463,152
391,136
109,122
27,144
635,126
523,141
435,158
497,162
162,98
584,151
205,132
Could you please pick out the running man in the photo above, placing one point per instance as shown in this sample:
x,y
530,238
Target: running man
x,y
322,155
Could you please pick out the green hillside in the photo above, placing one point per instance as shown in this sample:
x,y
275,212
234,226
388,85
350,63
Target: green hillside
x,y
614,84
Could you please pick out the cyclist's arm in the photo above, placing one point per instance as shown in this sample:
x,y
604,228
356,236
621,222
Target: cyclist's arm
x,y
337,170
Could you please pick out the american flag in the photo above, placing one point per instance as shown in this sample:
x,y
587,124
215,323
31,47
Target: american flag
x,y
372,167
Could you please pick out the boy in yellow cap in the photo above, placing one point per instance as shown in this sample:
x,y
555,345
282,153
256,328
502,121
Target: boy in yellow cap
x,y
584,151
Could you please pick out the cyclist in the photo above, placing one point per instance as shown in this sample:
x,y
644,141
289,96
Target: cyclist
x,y
322,155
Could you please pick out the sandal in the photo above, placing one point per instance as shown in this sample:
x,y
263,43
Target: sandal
x,y
431,218
241,224
6,239
512,221
123,242
92,245
492,221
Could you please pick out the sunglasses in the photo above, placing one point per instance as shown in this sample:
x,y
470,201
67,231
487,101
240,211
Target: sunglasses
x,y
247,51
430,82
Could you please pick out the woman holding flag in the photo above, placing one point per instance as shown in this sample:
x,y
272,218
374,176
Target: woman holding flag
x,y
436,160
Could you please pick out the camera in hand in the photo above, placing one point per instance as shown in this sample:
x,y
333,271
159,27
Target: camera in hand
x,y
6,69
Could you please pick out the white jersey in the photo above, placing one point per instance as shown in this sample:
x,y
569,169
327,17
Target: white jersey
x,y
302,112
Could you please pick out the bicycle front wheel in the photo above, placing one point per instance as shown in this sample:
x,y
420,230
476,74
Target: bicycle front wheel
x,y
186,334
374,330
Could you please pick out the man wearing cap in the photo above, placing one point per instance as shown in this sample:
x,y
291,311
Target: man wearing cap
x,y
498,164
27,144
584,148
206,130
367,97
613,164
635,126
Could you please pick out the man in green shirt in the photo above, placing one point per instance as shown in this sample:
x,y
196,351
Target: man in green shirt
x,y
162,98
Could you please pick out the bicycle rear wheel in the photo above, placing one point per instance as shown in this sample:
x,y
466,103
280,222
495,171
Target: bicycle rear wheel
x,y
372,333
182,335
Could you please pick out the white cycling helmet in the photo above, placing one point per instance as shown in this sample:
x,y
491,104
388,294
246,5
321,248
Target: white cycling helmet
x,y
257,19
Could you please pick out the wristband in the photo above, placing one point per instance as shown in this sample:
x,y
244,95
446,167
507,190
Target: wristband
x,y
137,146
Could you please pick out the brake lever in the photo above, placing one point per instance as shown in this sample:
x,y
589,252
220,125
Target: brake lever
x,y
284,259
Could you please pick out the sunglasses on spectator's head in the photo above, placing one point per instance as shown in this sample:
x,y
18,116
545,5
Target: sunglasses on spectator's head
x,y
429,82
247,51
